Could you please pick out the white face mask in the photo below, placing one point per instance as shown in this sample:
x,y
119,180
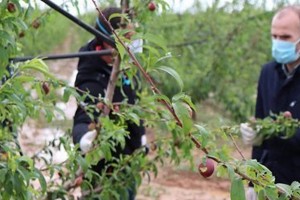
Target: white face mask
x,y
136,46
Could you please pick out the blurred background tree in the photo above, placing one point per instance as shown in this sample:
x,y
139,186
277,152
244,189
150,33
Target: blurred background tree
x,y
217,50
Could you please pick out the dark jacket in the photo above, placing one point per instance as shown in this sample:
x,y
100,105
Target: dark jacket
x,y
92,69
93,76
278,93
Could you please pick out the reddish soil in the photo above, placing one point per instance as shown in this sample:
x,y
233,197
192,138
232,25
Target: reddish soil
x,y
178,182
173,184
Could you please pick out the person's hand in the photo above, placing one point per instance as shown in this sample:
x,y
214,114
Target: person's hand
x,y
249,136
143,140
136,46
86,142
251,194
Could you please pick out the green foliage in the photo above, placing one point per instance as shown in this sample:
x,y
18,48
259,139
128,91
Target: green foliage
x,y
52,31
218,52
214,68
11,23
22,97
237,190
275,126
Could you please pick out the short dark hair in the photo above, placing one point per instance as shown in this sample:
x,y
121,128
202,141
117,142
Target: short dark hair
x,y
115,21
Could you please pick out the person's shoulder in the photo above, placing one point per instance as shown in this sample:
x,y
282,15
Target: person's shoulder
x,y
87,46
270,66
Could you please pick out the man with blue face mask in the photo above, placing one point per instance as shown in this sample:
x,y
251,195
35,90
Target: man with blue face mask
x,y
279,91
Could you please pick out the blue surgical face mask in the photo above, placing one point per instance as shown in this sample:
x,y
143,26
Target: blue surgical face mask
x,y
284,52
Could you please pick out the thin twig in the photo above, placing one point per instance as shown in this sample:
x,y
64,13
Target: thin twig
x,y
236,146
112,84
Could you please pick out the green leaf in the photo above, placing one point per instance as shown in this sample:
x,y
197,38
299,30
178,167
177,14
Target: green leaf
x,y
121,50
203,135
285,189
66,95
237,191
135,118
24,175
271,192
37,65
185,98
168,55
181,109
159,97
3,174
41,178
183,114
27,160
119,15
231,173
159,41
83,164
173,73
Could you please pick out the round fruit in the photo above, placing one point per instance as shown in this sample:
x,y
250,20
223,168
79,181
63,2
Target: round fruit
x,y
36,24
151,6
153,146
206,169
21,34
11,7
100,106
45,87
78,181
177,143
287,114
117,108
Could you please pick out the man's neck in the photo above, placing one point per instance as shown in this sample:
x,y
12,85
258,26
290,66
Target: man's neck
x,y
293,65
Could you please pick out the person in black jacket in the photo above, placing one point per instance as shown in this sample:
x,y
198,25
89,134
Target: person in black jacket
x,y
279,91
93,76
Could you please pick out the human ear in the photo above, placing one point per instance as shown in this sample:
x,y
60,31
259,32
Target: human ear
x,y
298,47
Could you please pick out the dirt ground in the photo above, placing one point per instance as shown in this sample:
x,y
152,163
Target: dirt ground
x,y
175,183
172,182
179,182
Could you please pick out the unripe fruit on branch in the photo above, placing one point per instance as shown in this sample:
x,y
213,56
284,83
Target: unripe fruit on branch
x,y
21,34
151,6
45,87
116,108
11,7
206,169
177,143
36,24
153,146
100,106
78,181
287,114
3,156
